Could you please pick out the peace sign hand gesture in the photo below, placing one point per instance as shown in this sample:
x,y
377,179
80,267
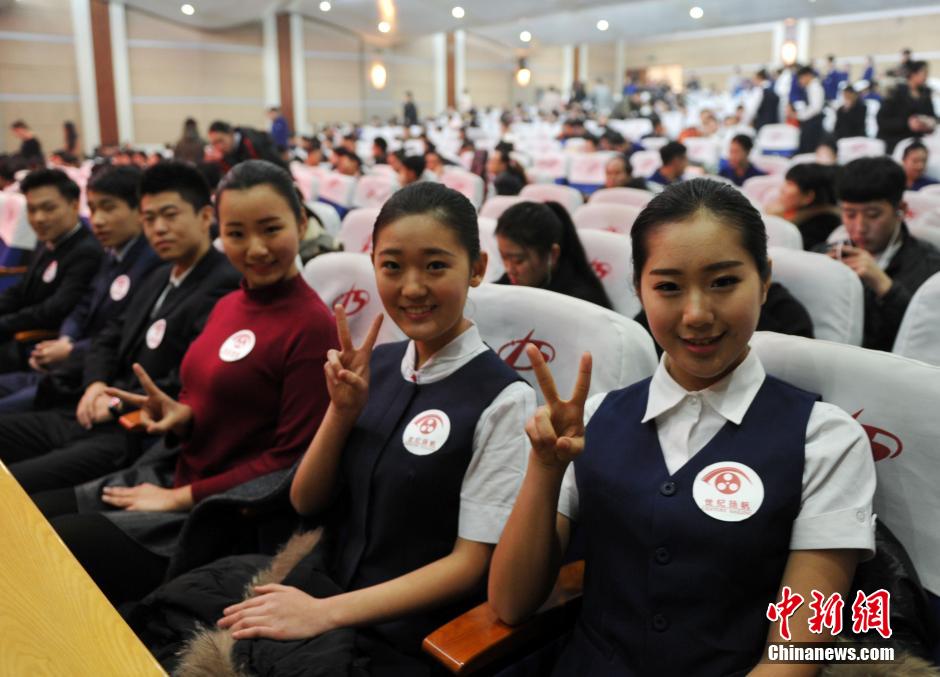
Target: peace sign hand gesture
x,y
159,412
347,369
556,431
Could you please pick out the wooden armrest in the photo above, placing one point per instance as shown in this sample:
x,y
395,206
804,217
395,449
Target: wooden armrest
x,y
35,335
13,270
131,422
478,638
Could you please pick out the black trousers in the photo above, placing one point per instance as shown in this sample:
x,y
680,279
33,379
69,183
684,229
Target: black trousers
x,y
50,450
124,570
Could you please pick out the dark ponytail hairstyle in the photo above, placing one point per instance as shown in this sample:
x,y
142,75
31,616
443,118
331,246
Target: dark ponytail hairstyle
x,y
681,201
253,173
445,205
538,226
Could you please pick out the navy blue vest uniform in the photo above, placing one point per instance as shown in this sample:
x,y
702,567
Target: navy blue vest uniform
x,y
669,590
401,510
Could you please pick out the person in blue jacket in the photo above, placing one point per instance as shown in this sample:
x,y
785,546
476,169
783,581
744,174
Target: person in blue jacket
x,y
703,492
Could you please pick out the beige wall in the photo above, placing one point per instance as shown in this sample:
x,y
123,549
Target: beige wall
x,y
489,72
178,71
38,76
411,69
602,63
336,74
546,64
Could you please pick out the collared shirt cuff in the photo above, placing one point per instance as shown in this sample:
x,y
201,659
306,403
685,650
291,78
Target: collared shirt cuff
x,y
852,528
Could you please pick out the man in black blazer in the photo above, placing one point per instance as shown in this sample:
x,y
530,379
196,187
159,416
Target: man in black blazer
x,y
64,261
128,259
63,447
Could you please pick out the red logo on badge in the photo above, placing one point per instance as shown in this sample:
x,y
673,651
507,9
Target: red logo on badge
x,y
726,480
883,444
516,349
601,268
353,300
428,424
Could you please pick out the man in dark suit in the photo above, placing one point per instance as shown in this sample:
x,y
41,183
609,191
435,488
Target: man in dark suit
x,y
63,447
232,145
115,222
64,261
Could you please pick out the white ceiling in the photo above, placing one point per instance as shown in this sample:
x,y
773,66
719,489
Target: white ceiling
x,y
549,21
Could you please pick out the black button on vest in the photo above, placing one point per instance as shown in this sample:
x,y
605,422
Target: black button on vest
x,y
663,556
660,623
667,488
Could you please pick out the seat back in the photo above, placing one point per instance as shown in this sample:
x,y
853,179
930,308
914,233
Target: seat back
x,y
634,197
611,256
497,204
372,190
762,189
645,162
328,216
338,189
15,230
782,233
587,171
853,147
919,334
609,216
348,279
307,180
829,290
466,183
778,139
773,164
488,243
568,197
919,203
894,398
704,150
356,232
511,316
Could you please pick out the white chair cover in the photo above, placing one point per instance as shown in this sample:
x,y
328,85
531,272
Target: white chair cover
x,y
609,216
497,204
356,232
919,203
307,180
853,147
348,279
773,164
589,169
831,293
761,188
611,256
894,398
782,233
372,190
15,230
488,243
552,165
778,138
919,334
645,162
466,183
328,216
634,197
568,197
338,189
562,327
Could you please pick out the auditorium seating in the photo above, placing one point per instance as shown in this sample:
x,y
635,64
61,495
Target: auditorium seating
x,y
497,204
777,139
829,290
782,233
587,171
610,254
763,189
372,190
644,163
488,243
356,232
562,327
853,147
568,197
919,334
466,183
609,216
328,216
636,197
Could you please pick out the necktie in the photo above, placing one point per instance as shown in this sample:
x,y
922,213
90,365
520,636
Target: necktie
x,y
164,295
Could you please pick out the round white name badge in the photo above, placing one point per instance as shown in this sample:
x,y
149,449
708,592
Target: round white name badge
x,y
728,491
48,275
120,287
427,432
237,346
155,334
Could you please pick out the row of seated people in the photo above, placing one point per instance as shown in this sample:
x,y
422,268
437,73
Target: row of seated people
x,y
253,393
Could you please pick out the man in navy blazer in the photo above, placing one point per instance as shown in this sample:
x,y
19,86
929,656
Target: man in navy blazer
x,y
64,261
115,222
65,446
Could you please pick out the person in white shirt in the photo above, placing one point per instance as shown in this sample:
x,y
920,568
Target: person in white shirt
x,y
703,494
810,113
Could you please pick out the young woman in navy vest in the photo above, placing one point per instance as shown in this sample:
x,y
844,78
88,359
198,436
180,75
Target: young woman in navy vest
x,y
702,491
416,464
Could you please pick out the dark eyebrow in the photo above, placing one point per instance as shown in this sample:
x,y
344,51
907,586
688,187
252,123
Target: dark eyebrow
x,y
711,267
430,251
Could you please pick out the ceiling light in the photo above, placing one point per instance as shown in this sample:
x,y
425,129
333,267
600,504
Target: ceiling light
x,y
325,6
384,27
788,52
602,25
525,36
696,12
378,75
523,76
188,9
457,12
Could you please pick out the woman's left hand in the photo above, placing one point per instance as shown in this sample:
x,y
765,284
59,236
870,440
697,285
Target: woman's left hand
x,y
149,497
278,612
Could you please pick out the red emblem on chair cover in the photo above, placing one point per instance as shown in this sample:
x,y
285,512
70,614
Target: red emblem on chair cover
x,y
353,300
883,444
514,351
601,268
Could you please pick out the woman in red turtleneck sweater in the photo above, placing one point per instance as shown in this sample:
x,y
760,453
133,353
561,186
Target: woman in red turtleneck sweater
x,y
253,396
